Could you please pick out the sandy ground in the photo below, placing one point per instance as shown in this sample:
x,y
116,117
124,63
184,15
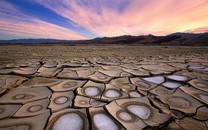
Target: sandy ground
x,y
19,52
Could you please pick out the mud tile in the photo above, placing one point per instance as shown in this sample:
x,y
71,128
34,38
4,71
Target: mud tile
x,y
8,110
171,84
160,90
199,84
155,79
82,102
33,108
40,82
67,85
174,126
50,64
134,94
32,123
197,67
179,65
61,100
100,77
47,72
102,120
24,95
7,71
112,93
10,81
180,78
111,72
75,119
123,83
196,93
127,119
165,109
92,89
68,73
69,64
202,113
25,71
181,101
139,72
141,108
189,123
161,67
143,85
84,74
95,103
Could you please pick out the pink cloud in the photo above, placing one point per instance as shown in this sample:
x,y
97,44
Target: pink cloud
x,y
18,25
139,17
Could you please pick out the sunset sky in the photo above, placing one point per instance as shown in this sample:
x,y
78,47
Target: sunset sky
x,y
86,19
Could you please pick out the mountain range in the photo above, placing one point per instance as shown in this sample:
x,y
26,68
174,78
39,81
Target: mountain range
x,y
172,39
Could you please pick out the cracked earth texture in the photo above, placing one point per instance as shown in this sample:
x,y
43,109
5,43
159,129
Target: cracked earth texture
x,y
114,93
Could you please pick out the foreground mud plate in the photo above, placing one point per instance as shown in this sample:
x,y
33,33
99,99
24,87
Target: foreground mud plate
x,y
105,93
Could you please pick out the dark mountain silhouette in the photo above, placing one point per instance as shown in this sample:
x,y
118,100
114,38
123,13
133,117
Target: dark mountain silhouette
x,y
172,39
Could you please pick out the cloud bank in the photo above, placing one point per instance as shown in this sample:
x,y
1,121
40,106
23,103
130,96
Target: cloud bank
x,y
108,18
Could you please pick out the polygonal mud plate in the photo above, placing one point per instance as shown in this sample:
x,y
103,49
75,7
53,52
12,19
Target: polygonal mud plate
x,y
141,108
7,71
82,102
134,94
199,84
29,123
96,103
178,65
102,120
25,71
24,95
111,72
47,72
189,123
201,114
171,84
160,67
123,83
174,126
181,101
39,82
68,73
50,64
8,110
74,119
142,85
61,100
92,89
139,72
69,64
84,73
196,93
100,77
127,119
160,90
165,108
155,79
33,108
112,93
10,81
177,77
67,85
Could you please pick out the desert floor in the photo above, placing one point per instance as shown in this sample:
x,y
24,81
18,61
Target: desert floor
x,y
114,87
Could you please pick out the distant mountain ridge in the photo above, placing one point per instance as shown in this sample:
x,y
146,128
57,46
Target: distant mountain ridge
x,y
172,39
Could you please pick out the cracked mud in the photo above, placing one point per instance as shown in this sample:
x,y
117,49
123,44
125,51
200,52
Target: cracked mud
x,y
114,93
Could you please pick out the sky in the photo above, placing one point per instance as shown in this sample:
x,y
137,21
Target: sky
x,y
87,19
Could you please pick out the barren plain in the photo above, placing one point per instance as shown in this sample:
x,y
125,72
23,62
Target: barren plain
x,y
97,87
